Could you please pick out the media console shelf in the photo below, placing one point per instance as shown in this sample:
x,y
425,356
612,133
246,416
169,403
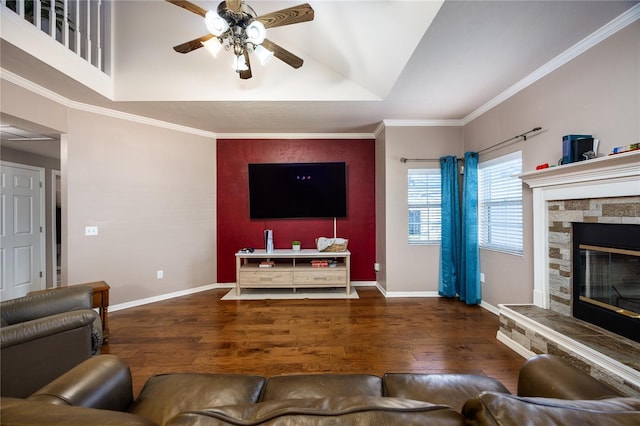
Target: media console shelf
x,y
292,269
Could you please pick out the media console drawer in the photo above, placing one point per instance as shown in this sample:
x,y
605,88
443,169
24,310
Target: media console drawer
x,y
321,276
266,276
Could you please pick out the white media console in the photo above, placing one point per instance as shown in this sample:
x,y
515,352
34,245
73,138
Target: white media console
x,y
292,269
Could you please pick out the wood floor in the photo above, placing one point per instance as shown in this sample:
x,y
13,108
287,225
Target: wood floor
x,y
201,333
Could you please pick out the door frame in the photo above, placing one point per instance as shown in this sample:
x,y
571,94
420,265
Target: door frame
x,y
43,225
55,174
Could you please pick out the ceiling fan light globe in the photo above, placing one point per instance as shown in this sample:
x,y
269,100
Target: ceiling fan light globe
x,y
256,32
215,24
263,54
213,46
239,63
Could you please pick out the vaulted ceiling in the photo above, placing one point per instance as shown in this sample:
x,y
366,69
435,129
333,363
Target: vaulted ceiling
x,y
364,62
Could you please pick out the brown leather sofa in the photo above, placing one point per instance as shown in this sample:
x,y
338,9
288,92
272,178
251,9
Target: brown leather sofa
x,y
99,391
45,334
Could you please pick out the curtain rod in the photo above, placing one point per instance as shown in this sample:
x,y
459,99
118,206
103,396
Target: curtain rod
x,y
521,135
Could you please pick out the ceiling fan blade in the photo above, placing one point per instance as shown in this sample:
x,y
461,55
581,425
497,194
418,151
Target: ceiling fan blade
x,y
291,15
282,54
189,6
192,45
234,5
245,75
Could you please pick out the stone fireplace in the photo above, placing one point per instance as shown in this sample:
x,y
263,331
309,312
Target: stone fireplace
x,y
601,191
561,215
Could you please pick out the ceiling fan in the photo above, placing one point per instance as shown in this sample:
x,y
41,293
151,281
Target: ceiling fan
x,y
236,27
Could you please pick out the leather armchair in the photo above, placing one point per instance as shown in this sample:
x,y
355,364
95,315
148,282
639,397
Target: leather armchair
x,y
45,334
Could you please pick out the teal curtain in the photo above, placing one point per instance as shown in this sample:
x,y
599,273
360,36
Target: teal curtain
x,y
450,238
470,291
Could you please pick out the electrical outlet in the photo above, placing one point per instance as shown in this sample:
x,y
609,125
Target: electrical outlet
x,y
376,267
91,230
481,277
160,275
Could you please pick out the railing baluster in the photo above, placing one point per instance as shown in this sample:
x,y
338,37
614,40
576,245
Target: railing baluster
x,y
78,37
78,27
65,23
37,14
99,22
53,19
88,33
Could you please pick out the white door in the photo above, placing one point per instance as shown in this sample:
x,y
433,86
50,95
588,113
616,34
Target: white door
x,y
21,230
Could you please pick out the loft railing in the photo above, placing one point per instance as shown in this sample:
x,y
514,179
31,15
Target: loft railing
x,y
82,26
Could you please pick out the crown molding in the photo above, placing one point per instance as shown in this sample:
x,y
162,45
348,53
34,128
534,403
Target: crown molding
x,y
107,112
33,87
48,94
421,123
414,123
615,25
379,129
296,135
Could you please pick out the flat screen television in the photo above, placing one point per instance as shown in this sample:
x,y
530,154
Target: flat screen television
x,y
297,190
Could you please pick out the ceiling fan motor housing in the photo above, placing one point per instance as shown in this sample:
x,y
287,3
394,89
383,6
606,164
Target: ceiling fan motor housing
x,y
236,25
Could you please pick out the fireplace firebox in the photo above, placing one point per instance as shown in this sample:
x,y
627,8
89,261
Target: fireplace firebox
x,y
606,276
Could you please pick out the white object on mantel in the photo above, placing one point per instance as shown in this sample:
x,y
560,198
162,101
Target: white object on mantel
x,y
612,176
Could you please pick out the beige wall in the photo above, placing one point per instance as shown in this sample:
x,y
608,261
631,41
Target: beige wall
x,y
151,191
597,93
410,268
381,214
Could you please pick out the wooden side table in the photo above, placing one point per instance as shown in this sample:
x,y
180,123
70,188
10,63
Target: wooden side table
x,y
101,301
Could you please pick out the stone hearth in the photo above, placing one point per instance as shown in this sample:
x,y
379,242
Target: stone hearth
x,y
603,190
531,330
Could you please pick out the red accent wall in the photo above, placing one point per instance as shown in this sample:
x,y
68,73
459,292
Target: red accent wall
x,y
236,230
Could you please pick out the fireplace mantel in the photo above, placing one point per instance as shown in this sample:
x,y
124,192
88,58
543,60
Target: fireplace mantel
x,y
612,176
624,166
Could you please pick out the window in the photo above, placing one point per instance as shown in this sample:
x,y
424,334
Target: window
x,y
425,221
500,204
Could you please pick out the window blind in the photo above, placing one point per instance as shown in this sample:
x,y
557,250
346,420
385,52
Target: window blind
x,y
500,204
425,221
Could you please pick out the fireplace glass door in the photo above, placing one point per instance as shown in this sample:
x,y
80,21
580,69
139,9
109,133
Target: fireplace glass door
x,y
610,279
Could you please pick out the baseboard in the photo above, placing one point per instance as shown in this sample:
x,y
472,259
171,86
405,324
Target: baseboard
x,y
166,296
382,290
489,307
364,284
514,346
161,297
393,294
